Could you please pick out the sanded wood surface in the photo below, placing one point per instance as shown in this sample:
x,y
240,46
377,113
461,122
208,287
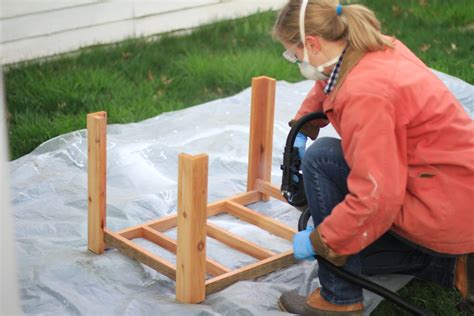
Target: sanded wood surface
x,y
134,251
164,223
96,180
238,243
262,221
212,267
269,189
132,234
261,132
192,215
251,271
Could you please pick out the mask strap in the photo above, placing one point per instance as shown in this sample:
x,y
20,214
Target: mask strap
x,y
304,3
329,63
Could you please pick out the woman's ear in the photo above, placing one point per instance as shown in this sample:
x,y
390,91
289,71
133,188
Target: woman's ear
x,y
313,43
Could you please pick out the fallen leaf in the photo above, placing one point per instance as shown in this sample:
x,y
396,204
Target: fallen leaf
x,y
396,10
160,92
126,55
423,2
424,48
467,28
166,81
150,76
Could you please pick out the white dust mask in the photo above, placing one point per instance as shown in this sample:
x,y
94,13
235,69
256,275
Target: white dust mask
x,y
315,73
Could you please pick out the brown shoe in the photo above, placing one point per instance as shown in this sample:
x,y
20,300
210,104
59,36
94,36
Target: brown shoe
x,y
464,281
316,305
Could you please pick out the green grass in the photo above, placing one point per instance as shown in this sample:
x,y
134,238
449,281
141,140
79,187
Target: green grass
x,y
139,79
425,295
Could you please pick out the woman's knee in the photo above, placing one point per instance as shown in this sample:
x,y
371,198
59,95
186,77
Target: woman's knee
x,y
322,149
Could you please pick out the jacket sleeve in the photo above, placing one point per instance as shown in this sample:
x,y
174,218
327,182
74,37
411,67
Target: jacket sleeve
x,y
312,103
375,150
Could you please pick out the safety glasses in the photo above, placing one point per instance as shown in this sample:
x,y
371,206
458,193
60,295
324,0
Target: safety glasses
x,y
291,56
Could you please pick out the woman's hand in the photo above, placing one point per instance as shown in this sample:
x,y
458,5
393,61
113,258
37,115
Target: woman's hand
x,y
300,143
302,247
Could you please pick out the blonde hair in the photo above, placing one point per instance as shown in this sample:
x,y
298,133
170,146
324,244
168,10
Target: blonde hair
x,y
356,24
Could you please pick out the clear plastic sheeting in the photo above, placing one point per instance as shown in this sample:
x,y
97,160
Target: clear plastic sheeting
x,y
58,275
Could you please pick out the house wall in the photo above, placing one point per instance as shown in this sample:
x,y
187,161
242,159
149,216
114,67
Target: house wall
x,y
38,28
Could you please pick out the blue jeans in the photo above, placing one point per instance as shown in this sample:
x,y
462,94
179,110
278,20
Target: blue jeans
x,y
325,175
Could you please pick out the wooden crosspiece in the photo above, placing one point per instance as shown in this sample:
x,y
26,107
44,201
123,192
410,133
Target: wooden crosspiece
x,y
193,210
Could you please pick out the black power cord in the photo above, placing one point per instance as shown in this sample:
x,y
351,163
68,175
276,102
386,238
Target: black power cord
x,y
291,166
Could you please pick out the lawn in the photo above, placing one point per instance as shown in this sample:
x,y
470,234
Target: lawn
x,y
141,78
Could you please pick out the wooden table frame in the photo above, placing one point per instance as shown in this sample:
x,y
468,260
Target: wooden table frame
x,y
193,210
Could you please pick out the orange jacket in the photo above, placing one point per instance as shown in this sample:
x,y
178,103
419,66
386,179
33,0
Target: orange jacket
x,y
410,146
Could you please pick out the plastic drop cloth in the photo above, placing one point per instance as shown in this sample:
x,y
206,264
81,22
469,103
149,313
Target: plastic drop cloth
x,y
49,194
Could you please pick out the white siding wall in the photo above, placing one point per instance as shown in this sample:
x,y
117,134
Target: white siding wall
x,y
37,28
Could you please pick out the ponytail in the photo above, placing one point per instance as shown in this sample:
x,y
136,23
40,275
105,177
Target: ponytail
x,y
363,29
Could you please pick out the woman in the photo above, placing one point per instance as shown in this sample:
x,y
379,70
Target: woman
x,y
395,194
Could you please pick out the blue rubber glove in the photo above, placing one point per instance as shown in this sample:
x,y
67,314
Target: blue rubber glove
x,y
302,247
300,143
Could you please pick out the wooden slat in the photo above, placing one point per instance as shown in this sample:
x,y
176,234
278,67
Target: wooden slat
x,y
250,272
238,243
96,183
262,221
163,223
212,267
269,189
261,132
245,198
138,253
160,239
215,208
133,233
192,216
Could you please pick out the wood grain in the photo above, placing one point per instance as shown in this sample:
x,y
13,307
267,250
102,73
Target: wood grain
x,y
192,215
267,188
261,132
96,180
